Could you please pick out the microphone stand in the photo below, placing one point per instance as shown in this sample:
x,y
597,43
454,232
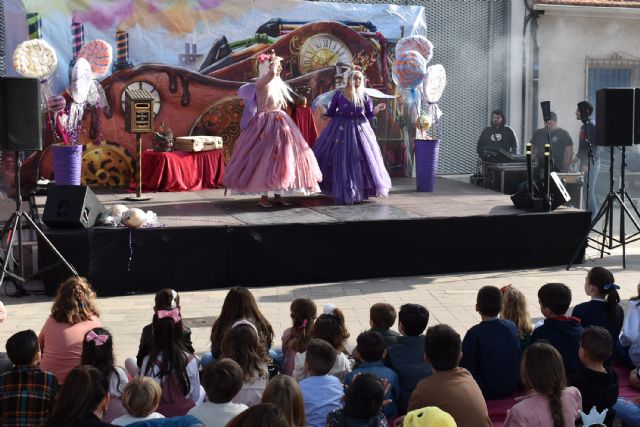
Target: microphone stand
x,y
590,157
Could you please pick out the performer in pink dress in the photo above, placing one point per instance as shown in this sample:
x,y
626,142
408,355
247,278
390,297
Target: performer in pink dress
x,y
270,154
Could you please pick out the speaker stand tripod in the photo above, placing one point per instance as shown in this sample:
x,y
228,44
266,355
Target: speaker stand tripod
x,y
607,211
13,227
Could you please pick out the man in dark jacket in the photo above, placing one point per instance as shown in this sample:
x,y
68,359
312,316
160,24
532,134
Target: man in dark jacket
x,y
498,135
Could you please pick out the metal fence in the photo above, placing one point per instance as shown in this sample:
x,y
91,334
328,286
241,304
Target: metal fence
x,y
471,40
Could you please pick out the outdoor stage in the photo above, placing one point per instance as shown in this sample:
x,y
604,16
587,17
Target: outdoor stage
x,y
208,240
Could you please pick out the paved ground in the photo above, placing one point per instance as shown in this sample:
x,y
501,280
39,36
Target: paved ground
x,y
449,298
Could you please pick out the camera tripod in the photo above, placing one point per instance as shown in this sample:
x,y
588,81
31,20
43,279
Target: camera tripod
x,y
621,197
13,227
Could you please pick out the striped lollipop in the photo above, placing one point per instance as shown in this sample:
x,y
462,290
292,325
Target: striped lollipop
x,y
418,43
99,54
409,69
56,103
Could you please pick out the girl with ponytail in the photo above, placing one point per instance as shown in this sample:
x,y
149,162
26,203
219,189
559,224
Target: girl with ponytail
x,y
330,327
604,309
549,402
295,338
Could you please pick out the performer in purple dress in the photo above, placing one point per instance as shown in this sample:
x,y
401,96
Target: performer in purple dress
x,y
347,149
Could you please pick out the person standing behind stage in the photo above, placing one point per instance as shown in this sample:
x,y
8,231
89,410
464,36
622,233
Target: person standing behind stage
x,y
270,153
582,157
347,149
498,135
561,145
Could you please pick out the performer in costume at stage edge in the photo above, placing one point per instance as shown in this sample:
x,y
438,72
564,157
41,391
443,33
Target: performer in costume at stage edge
x,y
347,149
270,153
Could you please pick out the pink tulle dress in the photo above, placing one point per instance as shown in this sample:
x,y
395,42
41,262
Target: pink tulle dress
x,y
270,154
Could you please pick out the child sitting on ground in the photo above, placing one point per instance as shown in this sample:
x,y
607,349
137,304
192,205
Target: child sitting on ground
x,y
26,393
330,327
172,366
97,351
371,352
630,336
221,380
322,393
450,388
141,397
241,344
407,356
382,316
362,404
560,331
165,299
598,384
514,308
548,403
491,349
294,339
603,309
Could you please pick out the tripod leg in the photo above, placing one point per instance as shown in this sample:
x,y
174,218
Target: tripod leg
x,y
53,248
14,222
601,212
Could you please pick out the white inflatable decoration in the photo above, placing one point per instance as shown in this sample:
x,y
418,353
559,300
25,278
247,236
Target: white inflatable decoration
x,y
35,58
134,218
81,82
434,83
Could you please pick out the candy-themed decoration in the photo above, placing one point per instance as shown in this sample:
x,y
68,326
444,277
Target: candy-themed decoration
x,y
418,43
99,54
409,69
434,83
34,24
81,77
35,58
122,44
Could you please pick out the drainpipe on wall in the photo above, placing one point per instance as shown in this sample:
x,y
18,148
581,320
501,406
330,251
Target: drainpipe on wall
x,y
532,15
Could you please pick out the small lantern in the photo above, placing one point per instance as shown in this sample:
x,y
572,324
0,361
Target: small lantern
x,y
138,111
163,138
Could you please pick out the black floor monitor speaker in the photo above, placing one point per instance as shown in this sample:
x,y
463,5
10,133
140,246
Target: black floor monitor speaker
x,y
618,116
20,114
72,206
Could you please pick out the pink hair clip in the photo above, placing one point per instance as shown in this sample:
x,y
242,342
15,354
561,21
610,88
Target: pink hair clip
x,y
263,57
174,313
98,340
304,324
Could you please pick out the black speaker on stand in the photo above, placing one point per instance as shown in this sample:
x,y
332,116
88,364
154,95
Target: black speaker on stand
x,y
20,131
618,125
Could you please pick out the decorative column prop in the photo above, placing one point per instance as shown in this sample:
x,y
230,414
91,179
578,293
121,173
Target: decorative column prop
x,y
427,153
67,163
122,60
138,113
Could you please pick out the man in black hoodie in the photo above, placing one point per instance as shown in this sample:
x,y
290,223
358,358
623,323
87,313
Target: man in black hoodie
x,y
498,135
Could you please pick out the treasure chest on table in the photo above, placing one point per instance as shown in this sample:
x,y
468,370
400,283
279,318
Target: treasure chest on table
x,y
198,143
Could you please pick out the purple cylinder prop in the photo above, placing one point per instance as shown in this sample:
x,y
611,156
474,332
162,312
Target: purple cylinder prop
x,y
427,153
67,163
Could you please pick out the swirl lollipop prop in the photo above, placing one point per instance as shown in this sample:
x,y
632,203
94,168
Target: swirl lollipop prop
x,y
418,43
432,89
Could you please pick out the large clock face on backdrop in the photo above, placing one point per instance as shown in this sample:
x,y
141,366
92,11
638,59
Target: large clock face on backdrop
x,y
323,50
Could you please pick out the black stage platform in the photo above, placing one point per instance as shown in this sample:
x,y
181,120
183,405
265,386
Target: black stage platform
x,y
209,240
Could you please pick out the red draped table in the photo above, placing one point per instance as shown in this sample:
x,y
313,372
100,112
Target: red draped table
x,y
181,171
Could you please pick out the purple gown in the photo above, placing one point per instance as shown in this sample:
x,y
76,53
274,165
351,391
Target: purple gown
x,y
349,155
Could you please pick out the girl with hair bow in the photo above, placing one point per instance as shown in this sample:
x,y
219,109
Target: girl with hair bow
x,y
97,351
604,309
